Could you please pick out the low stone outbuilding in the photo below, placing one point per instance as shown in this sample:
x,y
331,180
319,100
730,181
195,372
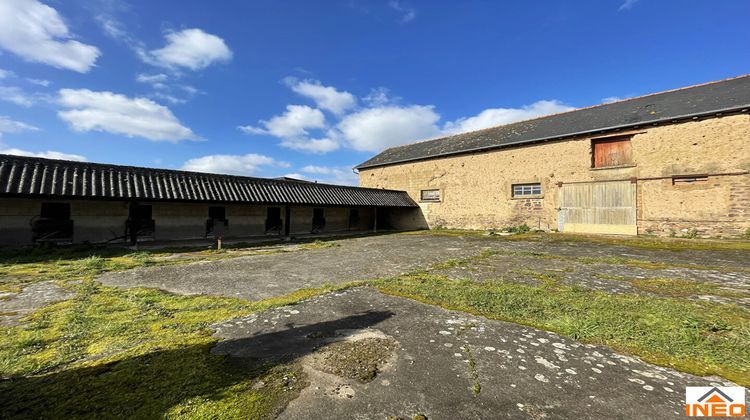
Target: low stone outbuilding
x,y
670,163
44,200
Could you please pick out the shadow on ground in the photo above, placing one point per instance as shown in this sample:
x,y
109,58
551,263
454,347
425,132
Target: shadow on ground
x,y
175,381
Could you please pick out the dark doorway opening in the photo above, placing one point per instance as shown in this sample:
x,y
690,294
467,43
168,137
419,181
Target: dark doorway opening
x,y
353,219
55,211
273,220
318,220
217,221
382,219
53,224
217,212
140,223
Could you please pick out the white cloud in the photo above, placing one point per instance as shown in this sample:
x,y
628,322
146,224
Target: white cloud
x,y
39,82
16,95
341,175
170,98
232,164
326,97
627,5
190,48
499,116
37,33
318,170
174,93
379,97
49,154
293,128
190,90
8,125
151,78
296,121
6,74
375,129
407,13
119,114
382,123
610,99
310,145
112,27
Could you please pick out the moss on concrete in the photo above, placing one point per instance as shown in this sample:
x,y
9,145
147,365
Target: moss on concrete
x,y
137,353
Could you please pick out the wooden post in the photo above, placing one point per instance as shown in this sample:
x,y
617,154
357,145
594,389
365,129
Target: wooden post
x,y
375,221
132,224
287,221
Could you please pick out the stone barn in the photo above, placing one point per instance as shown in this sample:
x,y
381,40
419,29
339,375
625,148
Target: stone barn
x,y
669,163
44,200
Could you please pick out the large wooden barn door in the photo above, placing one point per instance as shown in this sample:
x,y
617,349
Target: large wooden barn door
x,y
598,207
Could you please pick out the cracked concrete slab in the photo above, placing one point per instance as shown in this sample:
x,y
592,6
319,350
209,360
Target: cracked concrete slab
x,y
14,306
264,276
449,364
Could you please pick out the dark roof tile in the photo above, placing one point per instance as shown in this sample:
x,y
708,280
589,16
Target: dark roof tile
x,y
46,178
707,99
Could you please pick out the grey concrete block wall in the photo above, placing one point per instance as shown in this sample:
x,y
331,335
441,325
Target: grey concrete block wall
x,y
337,219
301,220
15,221
365,219
246,220
179,221
406,219
96,221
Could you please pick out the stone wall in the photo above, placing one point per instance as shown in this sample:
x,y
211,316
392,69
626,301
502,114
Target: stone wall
x,y
476,188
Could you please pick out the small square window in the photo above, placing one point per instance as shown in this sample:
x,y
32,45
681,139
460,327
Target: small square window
x,y
527,190
430,195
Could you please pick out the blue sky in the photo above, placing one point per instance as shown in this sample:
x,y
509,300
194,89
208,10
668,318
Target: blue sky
x,y
310,89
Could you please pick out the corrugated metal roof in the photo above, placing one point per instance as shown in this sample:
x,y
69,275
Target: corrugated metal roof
x,y
37,177
708,99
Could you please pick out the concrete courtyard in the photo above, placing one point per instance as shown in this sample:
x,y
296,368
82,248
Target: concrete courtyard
x,y
447,364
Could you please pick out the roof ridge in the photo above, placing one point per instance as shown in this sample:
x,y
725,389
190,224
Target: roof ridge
x,y
570,111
